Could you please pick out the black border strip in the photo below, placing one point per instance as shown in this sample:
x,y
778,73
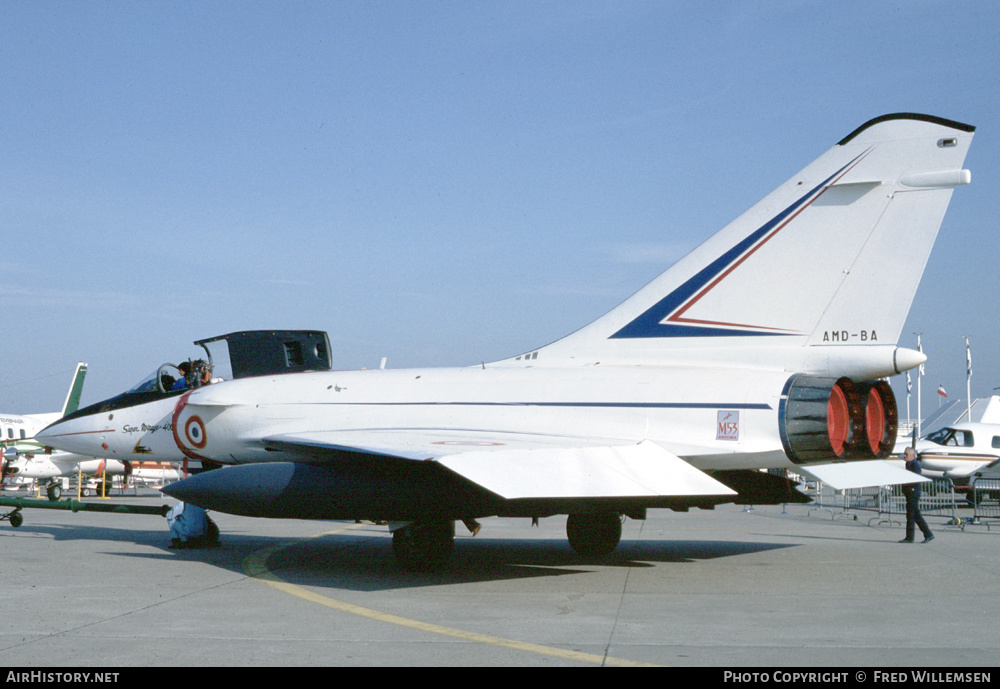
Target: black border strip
x,y
907,116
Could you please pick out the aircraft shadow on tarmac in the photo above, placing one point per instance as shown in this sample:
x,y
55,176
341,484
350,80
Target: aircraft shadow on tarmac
x,y
364,561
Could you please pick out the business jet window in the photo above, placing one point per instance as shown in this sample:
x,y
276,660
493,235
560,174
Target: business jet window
x,y
996,441
951,438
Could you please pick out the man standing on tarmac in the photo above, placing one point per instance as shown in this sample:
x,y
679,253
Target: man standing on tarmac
x,y
911,491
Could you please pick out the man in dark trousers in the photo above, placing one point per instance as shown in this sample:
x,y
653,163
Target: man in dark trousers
x,y
911,491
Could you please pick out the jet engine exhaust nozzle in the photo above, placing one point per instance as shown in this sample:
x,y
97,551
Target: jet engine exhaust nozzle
x,y
823,419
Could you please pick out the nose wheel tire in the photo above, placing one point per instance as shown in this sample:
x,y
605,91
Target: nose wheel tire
x,y
594,535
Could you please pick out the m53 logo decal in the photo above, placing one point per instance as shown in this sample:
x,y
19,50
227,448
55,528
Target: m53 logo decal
x,y
728,426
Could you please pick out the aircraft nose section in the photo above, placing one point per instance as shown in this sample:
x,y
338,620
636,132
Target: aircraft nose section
x,y
116,429
83,435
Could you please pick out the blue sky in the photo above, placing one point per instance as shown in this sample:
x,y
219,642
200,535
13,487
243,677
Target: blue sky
x,y
439,183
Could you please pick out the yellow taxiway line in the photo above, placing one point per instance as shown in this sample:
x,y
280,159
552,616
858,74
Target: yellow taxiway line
x,y
255,565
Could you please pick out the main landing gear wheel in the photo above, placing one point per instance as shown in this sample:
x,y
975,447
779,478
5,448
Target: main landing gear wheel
x,y
424,546
54,492
594,535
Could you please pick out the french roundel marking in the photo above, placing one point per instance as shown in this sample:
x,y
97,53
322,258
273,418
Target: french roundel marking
x,y
194,431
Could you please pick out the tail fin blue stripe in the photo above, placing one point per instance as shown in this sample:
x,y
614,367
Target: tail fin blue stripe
x,y
650,323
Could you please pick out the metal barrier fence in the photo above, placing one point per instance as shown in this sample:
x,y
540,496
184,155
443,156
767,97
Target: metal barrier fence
x,y
985,499
937,498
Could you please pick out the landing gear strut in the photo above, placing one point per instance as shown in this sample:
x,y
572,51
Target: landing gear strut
x,y
424,546
594,535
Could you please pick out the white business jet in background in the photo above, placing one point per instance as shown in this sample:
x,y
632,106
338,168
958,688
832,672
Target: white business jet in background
x,y
26,458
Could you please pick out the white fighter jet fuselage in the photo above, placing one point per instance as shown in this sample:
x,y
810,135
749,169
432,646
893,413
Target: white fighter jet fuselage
x,y
679,407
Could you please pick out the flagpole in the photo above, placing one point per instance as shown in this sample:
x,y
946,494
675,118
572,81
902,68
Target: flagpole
x,y
920,374
968,378
909,422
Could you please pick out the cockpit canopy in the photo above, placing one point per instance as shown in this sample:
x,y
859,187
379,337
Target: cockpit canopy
x,y
152,382
251,353
952,437
963,437
267,352
171,377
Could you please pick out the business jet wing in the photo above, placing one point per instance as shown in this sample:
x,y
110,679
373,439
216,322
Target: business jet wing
x,y
516,465
986,469
991,471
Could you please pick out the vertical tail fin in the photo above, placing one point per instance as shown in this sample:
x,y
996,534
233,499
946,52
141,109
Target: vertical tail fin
x,y
831,257
72,402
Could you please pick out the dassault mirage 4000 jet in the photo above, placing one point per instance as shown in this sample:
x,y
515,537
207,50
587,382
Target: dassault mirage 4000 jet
x,y
765,347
